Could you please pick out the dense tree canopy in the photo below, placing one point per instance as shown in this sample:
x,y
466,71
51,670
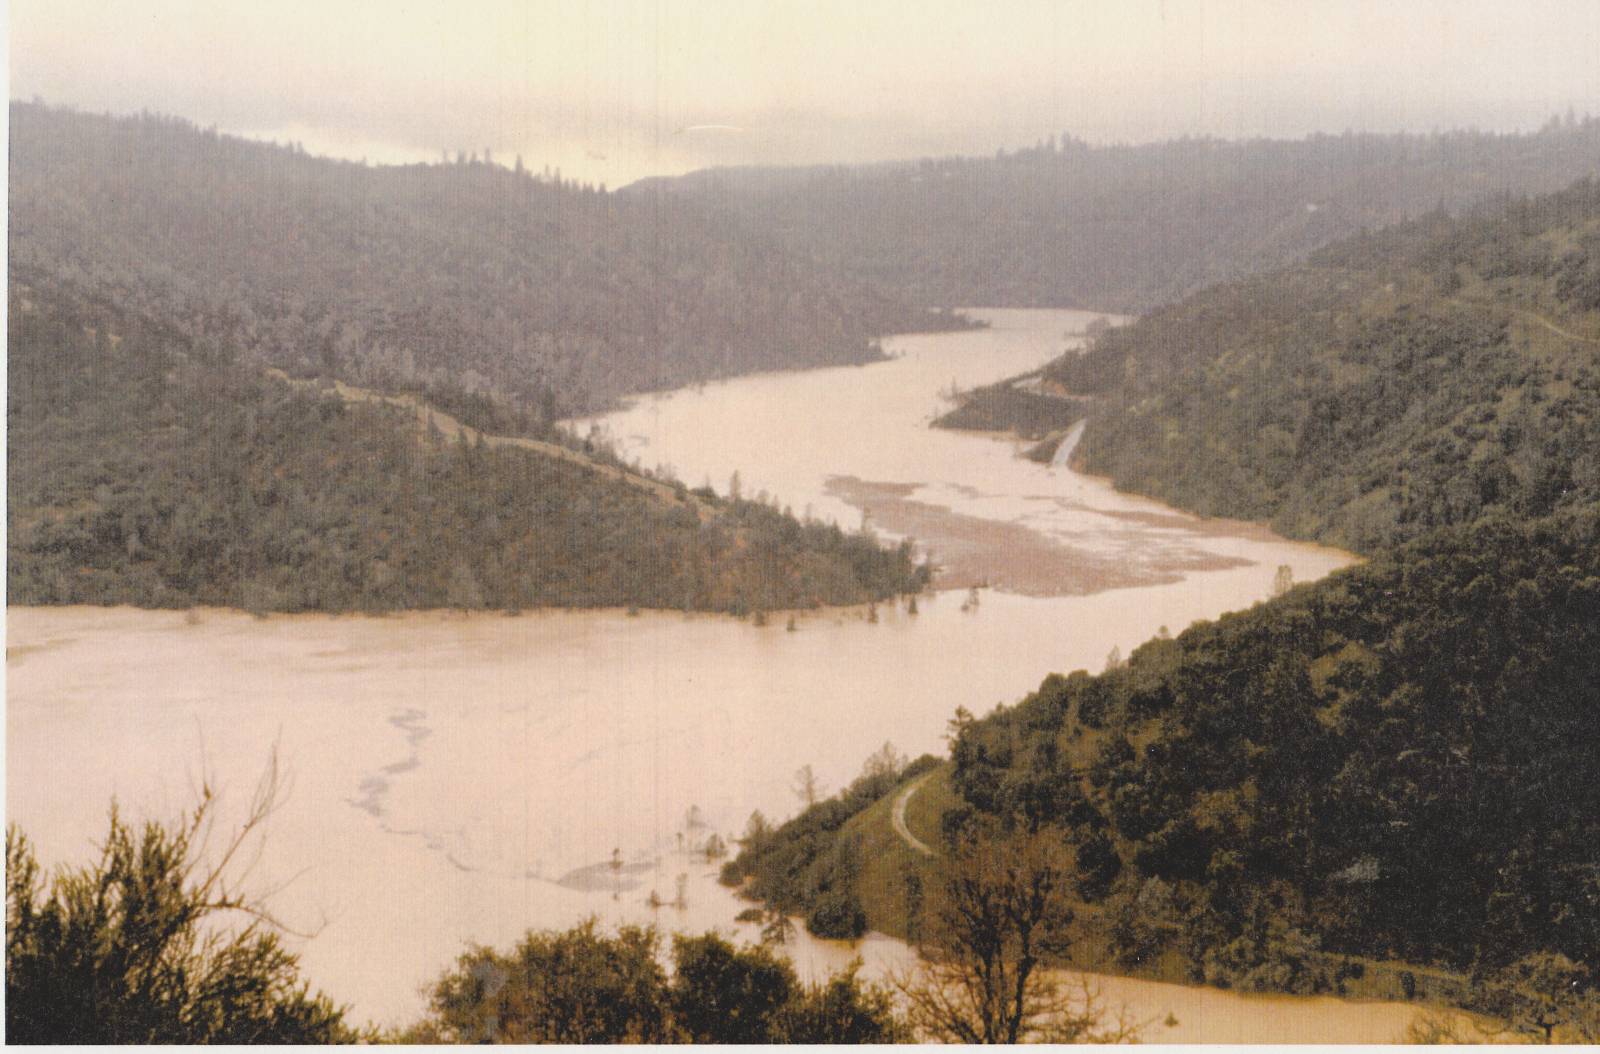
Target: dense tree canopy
x,y
464,276
1393,759
1420,377
146,467
1391,764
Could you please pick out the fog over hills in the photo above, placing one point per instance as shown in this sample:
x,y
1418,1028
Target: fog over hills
x,y
1123,228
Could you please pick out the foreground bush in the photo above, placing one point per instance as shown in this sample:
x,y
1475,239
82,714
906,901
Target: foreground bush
x,y
130,950
584,986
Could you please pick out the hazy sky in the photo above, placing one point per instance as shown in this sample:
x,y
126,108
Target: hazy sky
x,y
614,91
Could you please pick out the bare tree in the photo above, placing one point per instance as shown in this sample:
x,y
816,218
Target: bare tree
x,y
885,761
1283,581
999,914
806,786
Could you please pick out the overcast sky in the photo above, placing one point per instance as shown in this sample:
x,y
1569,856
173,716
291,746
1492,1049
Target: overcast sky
x,y
614,91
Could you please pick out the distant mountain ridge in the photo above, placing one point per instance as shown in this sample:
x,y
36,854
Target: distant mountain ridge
x,y
470,277
1122,228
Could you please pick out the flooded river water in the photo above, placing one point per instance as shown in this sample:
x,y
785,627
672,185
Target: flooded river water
x,y
460,779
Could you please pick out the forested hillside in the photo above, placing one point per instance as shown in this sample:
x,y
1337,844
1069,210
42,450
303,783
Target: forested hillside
x,y
465,277
1392,764
1123,228
152,468
1424,376
1386,770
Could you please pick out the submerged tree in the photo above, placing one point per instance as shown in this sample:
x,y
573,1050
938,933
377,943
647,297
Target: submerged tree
x,y
776,927
756,830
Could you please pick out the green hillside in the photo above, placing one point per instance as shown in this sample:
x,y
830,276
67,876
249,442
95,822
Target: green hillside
x,y
1421,377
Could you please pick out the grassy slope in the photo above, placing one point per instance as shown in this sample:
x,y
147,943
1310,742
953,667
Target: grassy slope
x,y
886,855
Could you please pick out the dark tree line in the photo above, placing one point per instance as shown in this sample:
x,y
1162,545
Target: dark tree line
x,y
585,986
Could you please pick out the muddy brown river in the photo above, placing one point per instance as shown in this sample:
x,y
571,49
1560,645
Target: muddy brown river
x,y
460,779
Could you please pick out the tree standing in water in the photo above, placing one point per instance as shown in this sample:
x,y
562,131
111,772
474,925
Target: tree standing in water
x,y
776,927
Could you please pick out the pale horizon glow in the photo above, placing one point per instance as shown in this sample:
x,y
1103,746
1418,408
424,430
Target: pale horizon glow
x,y
614,91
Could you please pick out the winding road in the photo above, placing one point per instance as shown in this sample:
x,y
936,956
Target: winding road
x,y
1531,316
898,816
